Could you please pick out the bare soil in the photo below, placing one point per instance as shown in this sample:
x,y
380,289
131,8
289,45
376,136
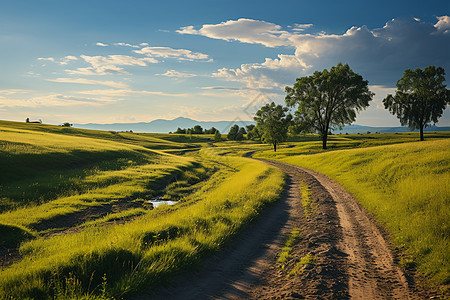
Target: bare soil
x,y
353,258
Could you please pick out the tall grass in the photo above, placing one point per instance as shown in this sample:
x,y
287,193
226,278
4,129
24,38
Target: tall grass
x,y
145,251
407,188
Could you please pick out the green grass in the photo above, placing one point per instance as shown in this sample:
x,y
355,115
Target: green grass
x,y
65,173
290,241
307,204
311,143
153,246
56,173
407,187
307,260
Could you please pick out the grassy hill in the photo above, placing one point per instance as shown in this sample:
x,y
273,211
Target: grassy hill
x,y
76,220
406,186
75,214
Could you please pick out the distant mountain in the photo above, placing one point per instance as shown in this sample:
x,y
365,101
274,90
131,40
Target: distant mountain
x,y
354,129
164,126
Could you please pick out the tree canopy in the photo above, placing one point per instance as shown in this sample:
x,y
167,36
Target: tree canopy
x,y
236,133
420,98
273,122
328,99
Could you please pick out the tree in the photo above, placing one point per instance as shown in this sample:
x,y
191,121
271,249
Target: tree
x,y
240,134
197,129
210,131
253,133
67,124
420,98
274,123
250,127
181,131
217,136
328,99
233,132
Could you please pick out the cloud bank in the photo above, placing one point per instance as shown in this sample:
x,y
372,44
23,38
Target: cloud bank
x,y
379,54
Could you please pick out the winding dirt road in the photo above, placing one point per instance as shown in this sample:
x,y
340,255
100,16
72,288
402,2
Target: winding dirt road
x,y
353,261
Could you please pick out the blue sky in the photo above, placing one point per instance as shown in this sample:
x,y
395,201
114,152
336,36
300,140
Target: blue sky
x,y
136,61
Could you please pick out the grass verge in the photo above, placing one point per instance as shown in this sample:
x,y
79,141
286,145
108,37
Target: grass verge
x,y
112,261
407,187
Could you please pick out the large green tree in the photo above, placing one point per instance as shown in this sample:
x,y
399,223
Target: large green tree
x,y
328,99
420,99
273,123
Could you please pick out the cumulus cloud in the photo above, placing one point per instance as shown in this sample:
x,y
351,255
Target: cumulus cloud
x,y
443,24
272,73
90,81
102,44
167,52
379,54
243,30
176,74
111,64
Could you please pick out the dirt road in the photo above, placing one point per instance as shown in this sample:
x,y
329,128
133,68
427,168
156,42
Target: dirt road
x,y
352,259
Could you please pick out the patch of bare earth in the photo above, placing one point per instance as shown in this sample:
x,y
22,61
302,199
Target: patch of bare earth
x,y
352,258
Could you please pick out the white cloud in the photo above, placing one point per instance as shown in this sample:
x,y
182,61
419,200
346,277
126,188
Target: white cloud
x,y
13,91
167,52
272,73
379,54
443,24
301,27
62,61
126,45
46,58
90,81
111,64
176,74
52,100
102,44
243,30
124,92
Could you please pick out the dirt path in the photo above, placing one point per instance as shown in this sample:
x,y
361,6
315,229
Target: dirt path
x,y
372,272
352,260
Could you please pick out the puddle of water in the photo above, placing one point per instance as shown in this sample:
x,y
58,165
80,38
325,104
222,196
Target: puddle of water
x,y
157,202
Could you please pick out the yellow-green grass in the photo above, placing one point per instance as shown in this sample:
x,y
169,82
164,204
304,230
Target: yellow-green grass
x,y
106,187
308,261
41,166
407,188
289,243
311,143
149,140
121,258
307,203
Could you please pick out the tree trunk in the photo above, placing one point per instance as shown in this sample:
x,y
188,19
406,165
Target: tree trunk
x,y
421,132
275,147
324,140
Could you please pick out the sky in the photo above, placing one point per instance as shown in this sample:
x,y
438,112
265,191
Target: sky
x,y
136,61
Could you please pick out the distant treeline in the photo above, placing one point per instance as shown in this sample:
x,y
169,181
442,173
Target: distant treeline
x,y
197,129
236,133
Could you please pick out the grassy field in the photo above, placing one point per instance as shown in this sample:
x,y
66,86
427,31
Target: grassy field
x,y
76,217
81,221
405,185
